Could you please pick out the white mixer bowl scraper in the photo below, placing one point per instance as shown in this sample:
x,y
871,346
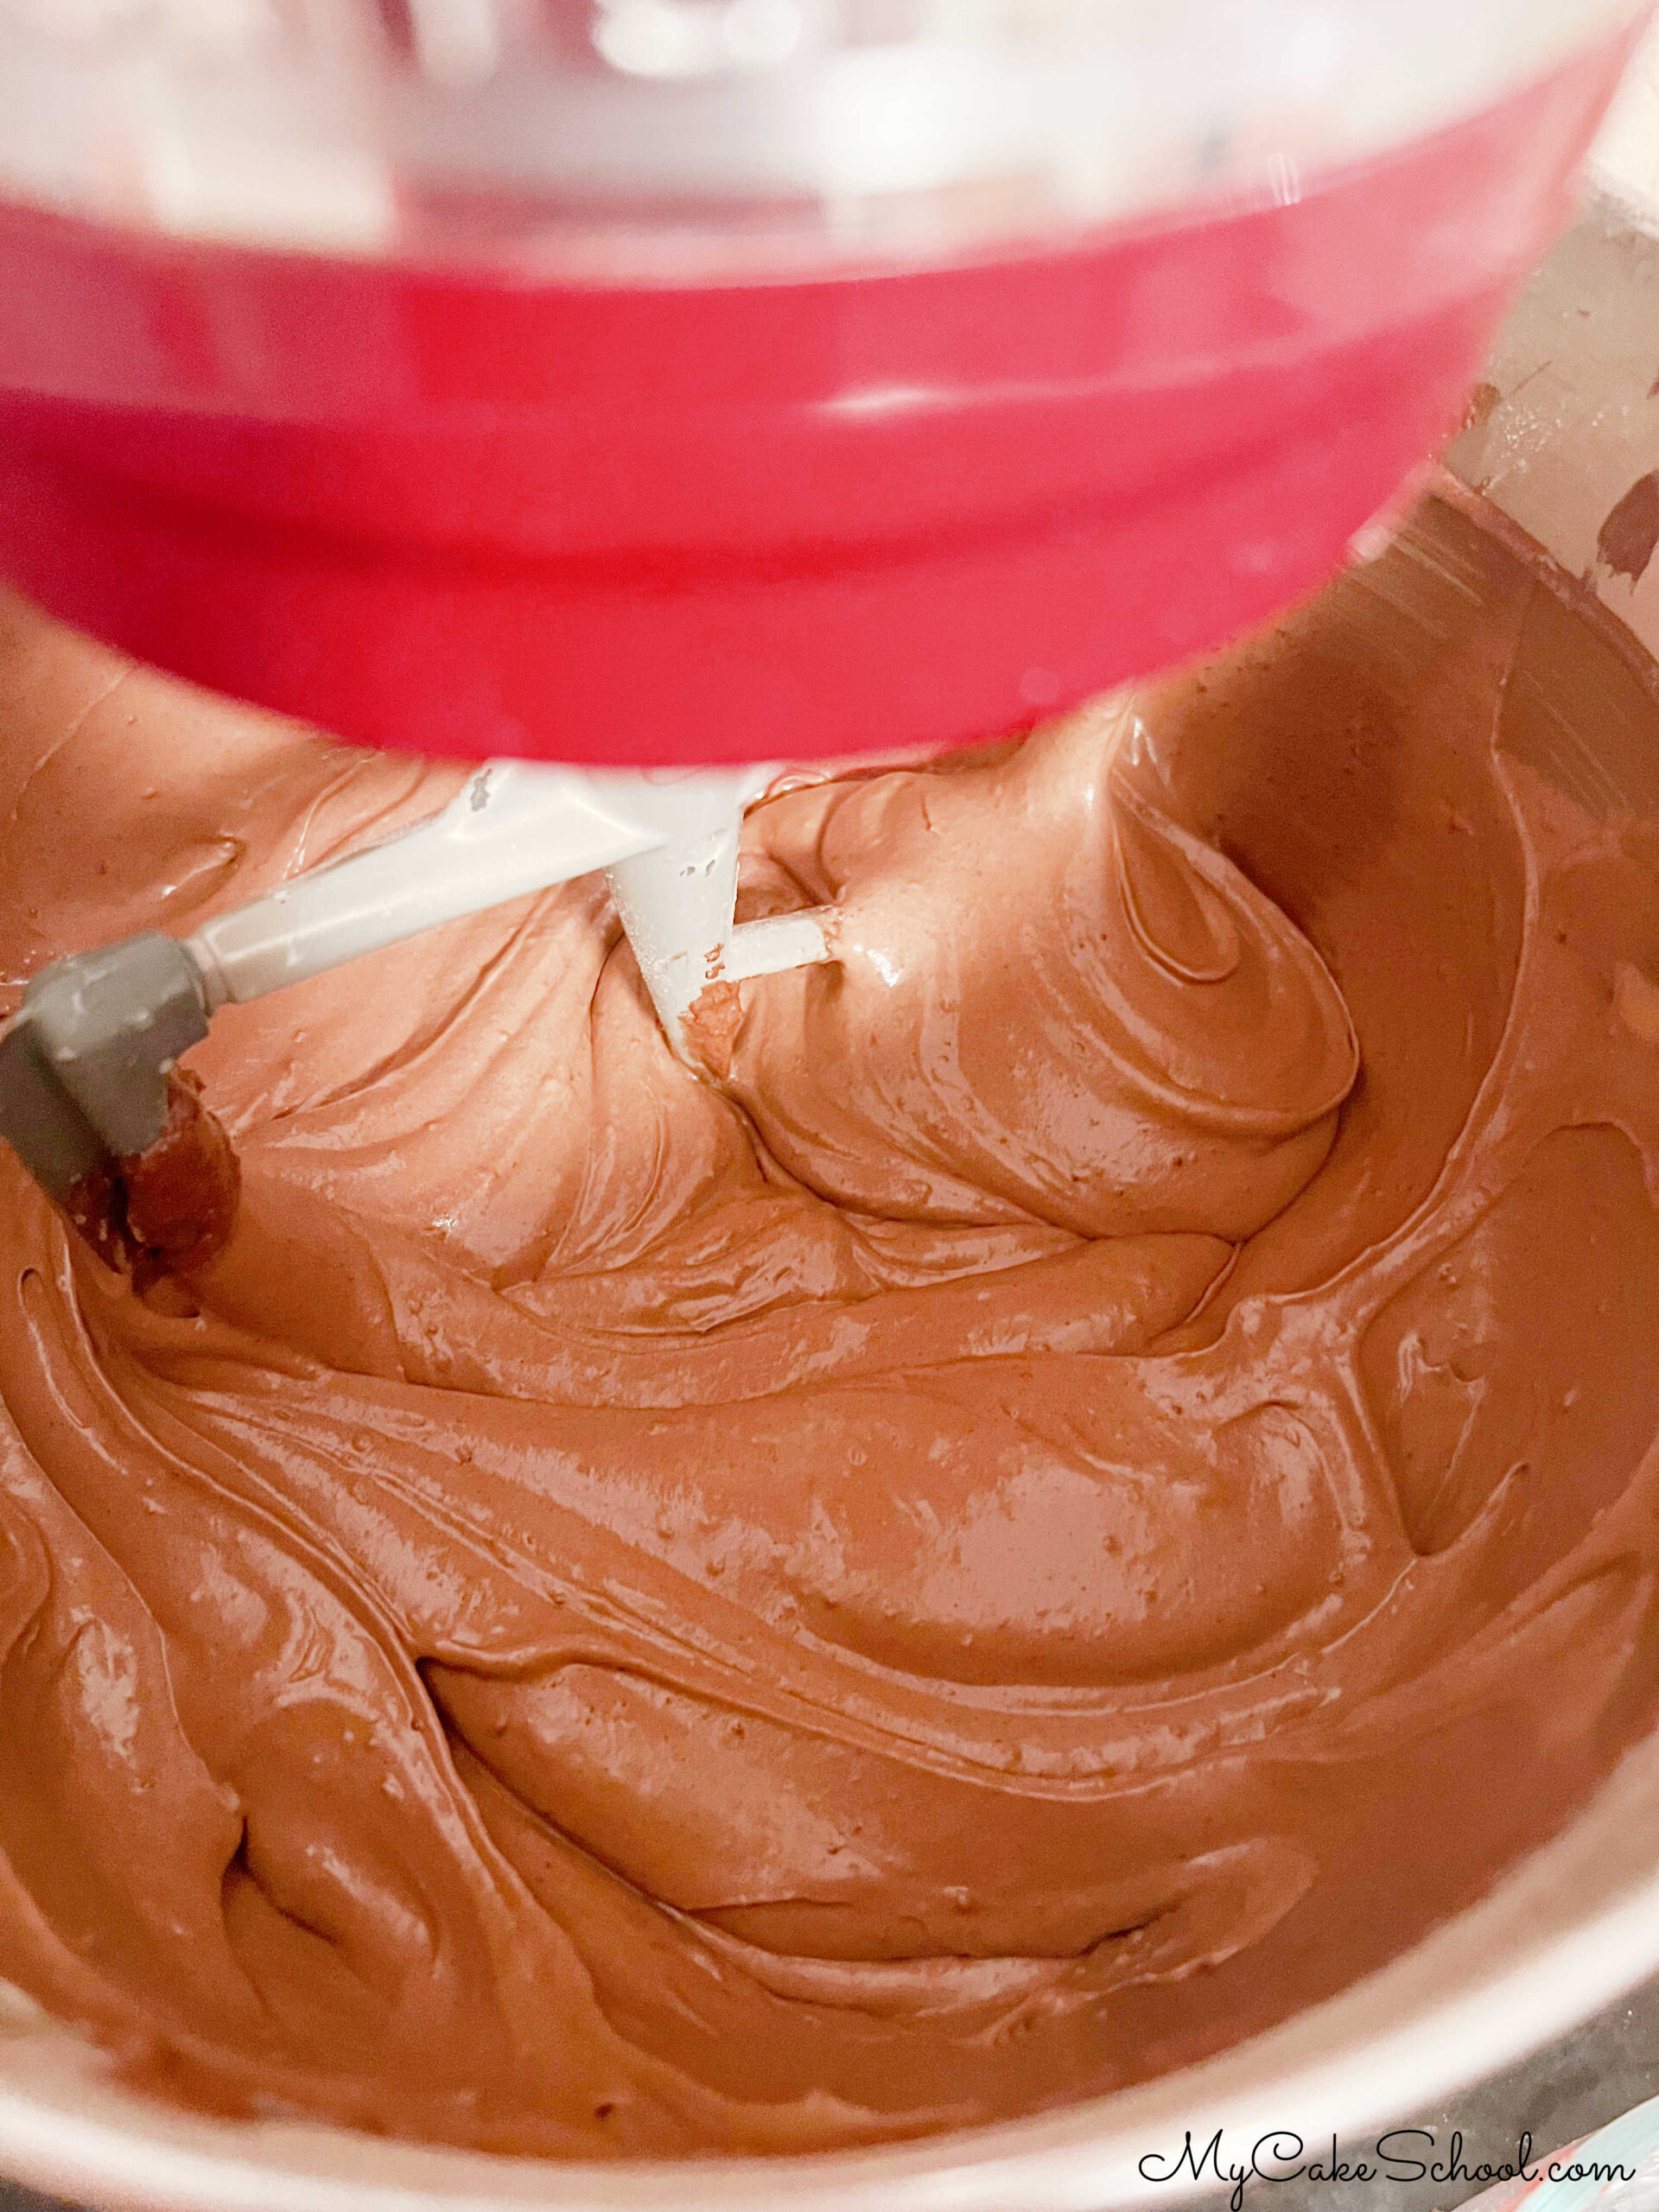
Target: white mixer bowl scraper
x,y
82,1068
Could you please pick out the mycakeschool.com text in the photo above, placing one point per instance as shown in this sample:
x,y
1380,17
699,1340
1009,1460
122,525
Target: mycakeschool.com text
x,y
1403,2155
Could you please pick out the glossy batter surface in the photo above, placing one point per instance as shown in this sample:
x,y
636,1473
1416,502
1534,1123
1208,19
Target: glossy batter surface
x,y
1098,1484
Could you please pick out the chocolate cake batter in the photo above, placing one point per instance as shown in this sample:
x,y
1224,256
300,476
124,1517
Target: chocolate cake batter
x,y
1092,1487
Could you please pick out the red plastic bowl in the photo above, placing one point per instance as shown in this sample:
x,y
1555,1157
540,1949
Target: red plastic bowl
x,y
438,511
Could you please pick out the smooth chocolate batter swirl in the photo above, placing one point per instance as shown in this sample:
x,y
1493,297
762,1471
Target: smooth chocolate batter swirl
x,y
1099,1484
